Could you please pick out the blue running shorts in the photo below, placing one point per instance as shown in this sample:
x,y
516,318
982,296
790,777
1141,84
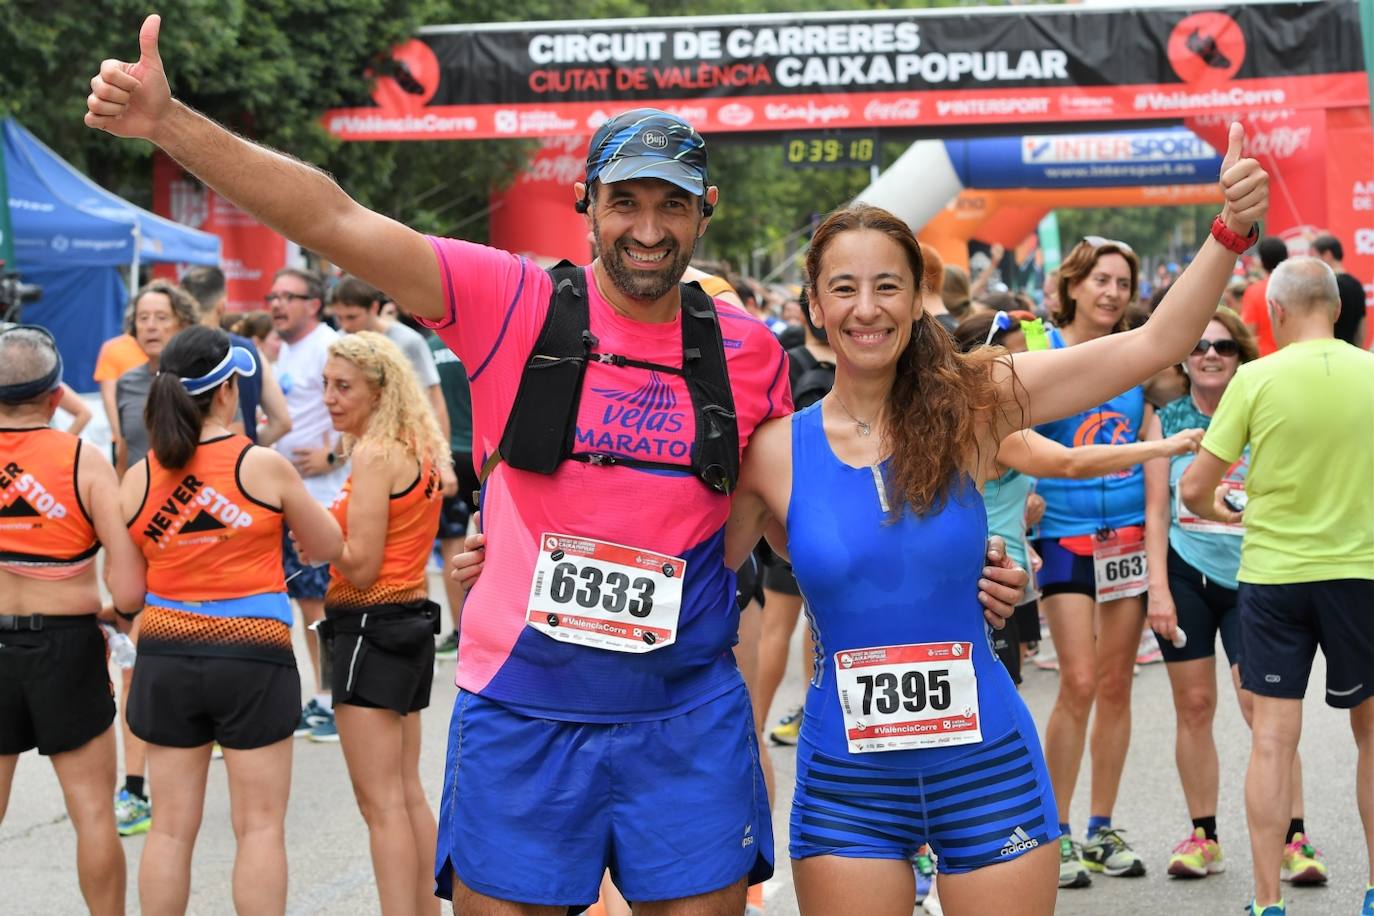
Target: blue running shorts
x,y
535,810
991,804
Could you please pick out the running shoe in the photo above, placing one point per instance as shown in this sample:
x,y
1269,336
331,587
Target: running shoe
x,y
753,904
924,869
1196,857
325,731
446,649
216,752
1045,659
1072,871
932,903
1149,652
312,714
1303,863
786,731
1107,852
133,814
1368,908
1273,909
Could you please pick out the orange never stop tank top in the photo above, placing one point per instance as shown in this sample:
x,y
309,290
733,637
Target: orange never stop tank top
x,y
45,530
204,538
411,525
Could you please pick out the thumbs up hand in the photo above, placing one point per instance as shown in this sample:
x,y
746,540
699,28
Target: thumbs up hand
x,y
130,99
1244,185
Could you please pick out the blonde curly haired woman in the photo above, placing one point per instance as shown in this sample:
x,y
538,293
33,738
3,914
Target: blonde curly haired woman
x,y
379,624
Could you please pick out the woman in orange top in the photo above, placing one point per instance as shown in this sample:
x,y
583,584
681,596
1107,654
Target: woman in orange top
x,y
57,505
215,663
378,619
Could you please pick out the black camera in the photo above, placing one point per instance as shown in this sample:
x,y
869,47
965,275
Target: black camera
x,y
15,294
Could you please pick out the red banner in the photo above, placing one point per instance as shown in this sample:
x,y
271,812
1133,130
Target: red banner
x,y
1150,102
252,253
535,215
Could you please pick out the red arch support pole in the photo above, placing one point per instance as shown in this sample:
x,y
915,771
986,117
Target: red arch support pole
x,y
535,215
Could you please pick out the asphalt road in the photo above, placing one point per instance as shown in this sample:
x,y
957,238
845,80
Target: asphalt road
x,y
331,872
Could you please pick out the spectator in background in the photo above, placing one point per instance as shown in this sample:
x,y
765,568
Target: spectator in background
x,y
1234,298
983,282
955,291
296,301
206,285
1350,324
932,283
1049,300
257,327
1253,310
159,311
117,356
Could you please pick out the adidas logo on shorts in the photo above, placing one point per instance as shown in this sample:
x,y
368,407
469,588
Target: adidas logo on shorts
x,y
1019,841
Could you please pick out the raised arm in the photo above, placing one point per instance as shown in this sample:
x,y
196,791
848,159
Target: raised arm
x,y
1031,453
1058,383
294,198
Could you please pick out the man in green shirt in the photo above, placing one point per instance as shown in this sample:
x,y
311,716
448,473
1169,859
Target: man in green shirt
x,y
1307,560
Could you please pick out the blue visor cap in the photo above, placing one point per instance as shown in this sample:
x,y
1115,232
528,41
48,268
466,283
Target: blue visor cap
x,y
238,361
648,143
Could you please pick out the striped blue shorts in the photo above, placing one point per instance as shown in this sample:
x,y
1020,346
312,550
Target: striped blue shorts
x,y
988,805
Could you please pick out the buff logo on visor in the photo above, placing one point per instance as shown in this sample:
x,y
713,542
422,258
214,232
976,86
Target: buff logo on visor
x,y
237,361
648,143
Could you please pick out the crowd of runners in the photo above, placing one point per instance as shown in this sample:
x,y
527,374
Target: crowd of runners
x,y
638,486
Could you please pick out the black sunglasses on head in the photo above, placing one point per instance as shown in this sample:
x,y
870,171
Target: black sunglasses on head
x,y
1223,347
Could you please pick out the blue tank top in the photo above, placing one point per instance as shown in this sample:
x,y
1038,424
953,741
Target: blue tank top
x,y
250,389
1215,555
871,583
1074,507
1005,498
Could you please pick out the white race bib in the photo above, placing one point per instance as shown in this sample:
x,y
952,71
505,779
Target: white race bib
x,y
1188,521
896,698
1119,567
604,595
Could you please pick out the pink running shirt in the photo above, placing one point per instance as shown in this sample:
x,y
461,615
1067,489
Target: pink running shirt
x,y
497,303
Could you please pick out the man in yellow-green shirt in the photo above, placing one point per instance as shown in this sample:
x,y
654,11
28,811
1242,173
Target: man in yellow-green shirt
x,y
1307,561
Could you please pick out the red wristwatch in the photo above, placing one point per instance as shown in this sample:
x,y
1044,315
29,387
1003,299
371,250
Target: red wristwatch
x,y
1232,240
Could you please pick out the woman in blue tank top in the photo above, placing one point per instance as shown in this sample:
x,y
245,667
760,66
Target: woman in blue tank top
x,y
1193,564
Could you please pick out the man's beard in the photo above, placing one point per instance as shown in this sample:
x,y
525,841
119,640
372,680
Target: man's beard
x,y
642,284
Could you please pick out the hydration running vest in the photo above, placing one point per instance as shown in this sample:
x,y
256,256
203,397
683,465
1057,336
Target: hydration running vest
x,y
539,434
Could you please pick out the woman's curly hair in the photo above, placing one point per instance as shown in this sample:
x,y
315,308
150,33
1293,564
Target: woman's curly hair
x,y
402,417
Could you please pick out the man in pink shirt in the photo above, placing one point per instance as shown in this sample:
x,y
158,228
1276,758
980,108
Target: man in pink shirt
x,y
601,722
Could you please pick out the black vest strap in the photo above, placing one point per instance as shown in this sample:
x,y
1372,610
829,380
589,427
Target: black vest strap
x,y
540,432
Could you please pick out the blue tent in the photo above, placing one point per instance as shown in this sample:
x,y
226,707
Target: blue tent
x,y
76,239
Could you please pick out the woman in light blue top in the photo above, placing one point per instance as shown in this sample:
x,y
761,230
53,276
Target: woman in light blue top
x,y
1192,598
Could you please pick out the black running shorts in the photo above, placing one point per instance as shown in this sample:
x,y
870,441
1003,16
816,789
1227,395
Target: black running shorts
x,y
383,657
55,691
1281,627
187,701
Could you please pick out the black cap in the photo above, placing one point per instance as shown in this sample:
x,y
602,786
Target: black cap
x,y
648,143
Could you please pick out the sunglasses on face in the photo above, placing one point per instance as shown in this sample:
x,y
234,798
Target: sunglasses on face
x,y
1097,241
1223,347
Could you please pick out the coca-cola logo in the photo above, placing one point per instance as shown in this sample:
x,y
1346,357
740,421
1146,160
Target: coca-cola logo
x,y
735,114
1279,142
906,109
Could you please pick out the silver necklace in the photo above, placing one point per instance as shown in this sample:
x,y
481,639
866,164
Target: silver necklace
x,y
863,427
